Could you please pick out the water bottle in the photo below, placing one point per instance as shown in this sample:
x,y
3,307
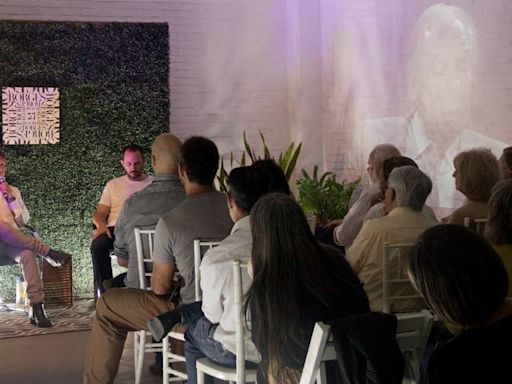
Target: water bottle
x,y
20,291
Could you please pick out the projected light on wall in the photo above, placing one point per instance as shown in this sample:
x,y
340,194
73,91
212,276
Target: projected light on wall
x,y
30,115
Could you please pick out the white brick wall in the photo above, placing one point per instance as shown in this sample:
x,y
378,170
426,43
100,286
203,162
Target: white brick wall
x,y
268,65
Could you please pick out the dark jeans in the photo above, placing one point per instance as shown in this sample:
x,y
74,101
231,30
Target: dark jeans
x,y
101,262
199,342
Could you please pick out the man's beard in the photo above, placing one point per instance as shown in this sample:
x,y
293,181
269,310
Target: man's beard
x,y
134,175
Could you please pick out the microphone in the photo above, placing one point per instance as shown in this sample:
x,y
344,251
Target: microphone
x,y
4,193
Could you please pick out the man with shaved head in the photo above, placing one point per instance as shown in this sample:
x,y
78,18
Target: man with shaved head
x,y
145,207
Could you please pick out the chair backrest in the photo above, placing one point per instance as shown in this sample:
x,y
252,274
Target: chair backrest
x,y
413,330
363,343
320,349
239,321
199,246
144,243
396,286
477,224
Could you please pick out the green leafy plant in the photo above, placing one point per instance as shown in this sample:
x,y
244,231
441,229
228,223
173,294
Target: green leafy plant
x,y
286,160
324,196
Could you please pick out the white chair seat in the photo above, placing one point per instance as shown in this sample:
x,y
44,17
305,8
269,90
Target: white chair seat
x,y
221,372
177,335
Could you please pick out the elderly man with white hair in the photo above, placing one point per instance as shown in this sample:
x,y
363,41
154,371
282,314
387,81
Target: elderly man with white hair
x,y
408,188
346,230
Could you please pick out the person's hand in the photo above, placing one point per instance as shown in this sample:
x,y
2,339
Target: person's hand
x,y
376,198
6,191
333,223
383,212
100,230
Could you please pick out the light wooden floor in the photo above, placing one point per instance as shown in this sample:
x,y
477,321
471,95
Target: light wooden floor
x,y
58,358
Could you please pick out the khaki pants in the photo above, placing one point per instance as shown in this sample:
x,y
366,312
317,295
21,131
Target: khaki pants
x,y
24,248
118,311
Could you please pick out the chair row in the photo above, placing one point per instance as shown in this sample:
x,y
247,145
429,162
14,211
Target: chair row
x,y
412,329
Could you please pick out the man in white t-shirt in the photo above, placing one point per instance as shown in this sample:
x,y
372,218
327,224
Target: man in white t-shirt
x,y
105,216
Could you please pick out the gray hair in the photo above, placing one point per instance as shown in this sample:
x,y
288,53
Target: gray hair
x,y
384,151
411,187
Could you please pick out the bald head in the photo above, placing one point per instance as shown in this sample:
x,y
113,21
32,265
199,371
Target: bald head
x,y
377,156
165,153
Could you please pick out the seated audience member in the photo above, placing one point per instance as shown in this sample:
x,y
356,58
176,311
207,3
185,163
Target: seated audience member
x,y
296,282
498,229
278,178
476,172
145,207
203,214
346,229
16,246
378,210
211,323
464,282
408,188
506,163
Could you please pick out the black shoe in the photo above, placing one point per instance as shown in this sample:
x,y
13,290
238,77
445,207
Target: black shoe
x,y
38,317
161,325
57,259
156,369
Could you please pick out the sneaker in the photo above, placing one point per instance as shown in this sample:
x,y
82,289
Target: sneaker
x,y
160,326
57,259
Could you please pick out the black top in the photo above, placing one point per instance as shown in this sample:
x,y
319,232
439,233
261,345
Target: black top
x,y
352,300
480,355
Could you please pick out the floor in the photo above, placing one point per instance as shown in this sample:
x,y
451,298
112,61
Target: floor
x,y
58,358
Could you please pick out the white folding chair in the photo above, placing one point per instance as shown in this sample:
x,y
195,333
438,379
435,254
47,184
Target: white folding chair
x,y
239,374
144,242
396,286
412,334
321,349
413,327
413,330
199,246
169,357
479,224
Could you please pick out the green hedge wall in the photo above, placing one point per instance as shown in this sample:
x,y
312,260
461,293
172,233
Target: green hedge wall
x,y
114,90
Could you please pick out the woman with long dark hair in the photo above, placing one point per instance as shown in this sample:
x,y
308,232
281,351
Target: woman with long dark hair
x,y
296,282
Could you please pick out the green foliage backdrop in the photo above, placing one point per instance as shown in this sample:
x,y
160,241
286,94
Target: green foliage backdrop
x,y
114,90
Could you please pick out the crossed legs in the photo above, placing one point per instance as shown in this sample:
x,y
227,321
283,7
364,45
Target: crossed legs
x,y
118,311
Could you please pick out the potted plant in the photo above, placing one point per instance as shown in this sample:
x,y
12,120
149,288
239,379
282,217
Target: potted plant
x,y
324,197
286,160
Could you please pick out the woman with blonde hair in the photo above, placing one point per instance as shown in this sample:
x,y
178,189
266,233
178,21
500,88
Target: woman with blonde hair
x,y
476,172
464,282
499,225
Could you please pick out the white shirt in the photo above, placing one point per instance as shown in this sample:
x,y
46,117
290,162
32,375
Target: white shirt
x,y
217,286
16,207
345,233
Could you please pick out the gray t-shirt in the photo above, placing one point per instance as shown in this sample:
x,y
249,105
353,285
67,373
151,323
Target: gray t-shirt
x,y
143,209
204,216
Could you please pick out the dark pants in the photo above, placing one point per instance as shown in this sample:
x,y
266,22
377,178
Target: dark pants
x,y
101,262
199,342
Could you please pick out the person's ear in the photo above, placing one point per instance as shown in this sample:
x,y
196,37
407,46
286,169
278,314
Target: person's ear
x,y
181,170
230,200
